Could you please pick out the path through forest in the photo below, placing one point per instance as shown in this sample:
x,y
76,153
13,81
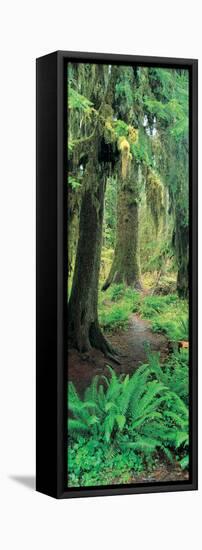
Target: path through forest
x,y
132,344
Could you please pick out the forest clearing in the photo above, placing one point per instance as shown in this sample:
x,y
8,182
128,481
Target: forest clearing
x,y
128,282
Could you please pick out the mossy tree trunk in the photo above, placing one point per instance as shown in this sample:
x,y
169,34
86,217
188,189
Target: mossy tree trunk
x,y
182,255
181,228
73,223
126,263
84,329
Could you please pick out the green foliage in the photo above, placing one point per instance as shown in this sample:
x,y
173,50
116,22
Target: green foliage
x,y
123,424
184,324
155,102
169,109
156,256
174,373
117,291
168,314
116,307
138,415
142,149
73,183
92,462
79,102
121,128
124,91
115,318
171,327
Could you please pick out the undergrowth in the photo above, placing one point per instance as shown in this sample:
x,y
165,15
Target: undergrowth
x,y
167,314
122,424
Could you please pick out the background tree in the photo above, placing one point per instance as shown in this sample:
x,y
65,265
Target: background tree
x,y
169,105
136,157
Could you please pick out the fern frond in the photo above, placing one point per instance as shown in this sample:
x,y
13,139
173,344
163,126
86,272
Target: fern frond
x,y
184,463
108,427
77,426
144,444
168,453
140,421
182,438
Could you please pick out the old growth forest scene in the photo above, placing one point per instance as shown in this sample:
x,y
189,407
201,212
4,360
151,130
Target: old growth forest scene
x,y
128,274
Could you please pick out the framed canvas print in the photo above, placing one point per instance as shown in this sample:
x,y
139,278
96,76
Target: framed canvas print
x,y
116,274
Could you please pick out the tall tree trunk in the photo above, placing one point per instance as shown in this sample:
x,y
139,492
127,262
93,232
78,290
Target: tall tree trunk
x,y
182,254
126,263
73,223
84,329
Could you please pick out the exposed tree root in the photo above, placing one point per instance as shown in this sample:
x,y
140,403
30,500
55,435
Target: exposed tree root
x,y
93,339
98,341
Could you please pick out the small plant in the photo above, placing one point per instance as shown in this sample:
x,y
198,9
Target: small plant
x,y
184,324
117,292
92,462
114,318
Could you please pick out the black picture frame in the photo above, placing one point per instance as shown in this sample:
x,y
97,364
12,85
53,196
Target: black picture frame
x,y
51,241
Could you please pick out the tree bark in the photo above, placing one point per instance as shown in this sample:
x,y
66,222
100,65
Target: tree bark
x,y
73,223
126,263
84,329
182,254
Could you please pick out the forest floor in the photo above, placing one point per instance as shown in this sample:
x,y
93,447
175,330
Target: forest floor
x,y
131,343
132,340
165,471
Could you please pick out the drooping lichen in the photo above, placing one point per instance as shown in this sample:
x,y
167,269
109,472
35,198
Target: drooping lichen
x,y
124,148
132,134
154,196
109,132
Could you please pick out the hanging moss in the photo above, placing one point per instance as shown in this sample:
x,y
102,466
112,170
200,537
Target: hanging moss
x,y
109,132
154,196
132,134
124,148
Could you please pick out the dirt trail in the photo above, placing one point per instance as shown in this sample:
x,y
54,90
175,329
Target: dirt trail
x,y
134,342
131,343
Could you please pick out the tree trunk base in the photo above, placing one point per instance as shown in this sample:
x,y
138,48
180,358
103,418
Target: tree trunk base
x,y
98,341
94,339
118,278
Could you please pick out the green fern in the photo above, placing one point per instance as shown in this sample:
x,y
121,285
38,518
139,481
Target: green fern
x,y
174,373
139,412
